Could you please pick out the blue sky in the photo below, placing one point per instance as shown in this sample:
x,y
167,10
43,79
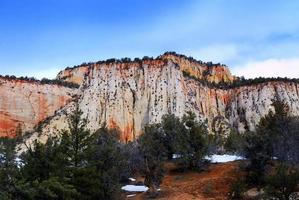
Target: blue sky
x,y
257,37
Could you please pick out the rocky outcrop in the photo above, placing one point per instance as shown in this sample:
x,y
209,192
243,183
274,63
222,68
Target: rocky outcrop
x,y
214,73
129,94
23,104
74,75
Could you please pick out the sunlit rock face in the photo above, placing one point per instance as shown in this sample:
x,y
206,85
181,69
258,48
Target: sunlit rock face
x,y
23,104
214,73
74,75
127,95
248,104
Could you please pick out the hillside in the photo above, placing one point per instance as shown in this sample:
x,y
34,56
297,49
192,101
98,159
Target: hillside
x,y
127,94
214,183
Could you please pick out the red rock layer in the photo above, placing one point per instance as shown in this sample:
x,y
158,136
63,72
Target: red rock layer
x,y
24,104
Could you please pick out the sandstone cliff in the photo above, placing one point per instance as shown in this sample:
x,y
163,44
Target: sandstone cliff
x,y
23,104
129,94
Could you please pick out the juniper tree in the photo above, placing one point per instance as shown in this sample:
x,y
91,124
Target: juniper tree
x,y
154,153
194,141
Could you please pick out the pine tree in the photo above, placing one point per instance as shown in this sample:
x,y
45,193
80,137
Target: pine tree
x,y
269,140
76,139
107,163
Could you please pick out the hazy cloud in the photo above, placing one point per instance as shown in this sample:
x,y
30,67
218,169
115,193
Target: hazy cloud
x,y
269,68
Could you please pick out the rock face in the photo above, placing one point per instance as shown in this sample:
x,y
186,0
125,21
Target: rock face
x,y
75,75
129,94
23,104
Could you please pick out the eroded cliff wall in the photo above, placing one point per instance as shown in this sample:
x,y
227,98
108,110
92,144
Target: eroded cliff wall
x,y
127,95
23,104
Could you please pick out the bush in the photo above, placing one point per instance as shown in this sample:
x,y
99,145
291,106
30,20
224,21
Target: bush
x,y
193,142
258,150
283,183
234,143
237,189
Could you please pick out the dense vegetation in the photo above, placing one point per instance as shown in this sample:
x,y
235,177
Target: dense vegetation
x,y
43,81
81,165
273,155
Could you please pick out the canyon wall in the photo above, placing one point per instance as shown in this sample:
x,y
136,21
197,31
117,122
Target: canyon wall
x,y
23,104
127,95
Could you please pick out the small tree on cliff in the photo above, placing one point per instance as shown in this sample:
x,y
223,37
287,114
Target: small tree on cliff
x,y
154,153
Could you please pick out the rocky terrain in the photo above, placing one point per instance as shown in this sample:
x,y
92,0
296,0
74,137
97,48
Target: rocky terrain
x,y
128,94
24,104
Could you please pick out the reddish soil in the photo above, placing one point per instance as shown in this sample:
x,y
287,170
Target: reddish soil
x,y
212,184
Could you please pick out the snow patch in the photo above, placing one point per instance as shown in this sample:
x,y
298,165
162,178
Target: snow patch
x,y
132,179
174,156
223,158
131,195
134,188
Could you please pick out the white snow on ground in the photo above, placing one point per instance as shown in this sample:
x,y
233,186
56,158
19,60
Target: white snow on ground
x,y
132,179
131,195
174,156
223,158
134,188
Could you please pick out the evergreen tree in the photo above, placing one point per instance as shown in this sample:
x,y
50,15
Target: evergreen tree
x,y
259,152
173,130
9,172
234,142
194,142
44,172
283,184
155,153
268,141
42,161
106,165
76,139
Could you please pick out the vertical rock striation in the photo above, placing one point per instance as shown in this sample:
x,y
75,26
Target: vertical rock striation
x,y
129,94
23,104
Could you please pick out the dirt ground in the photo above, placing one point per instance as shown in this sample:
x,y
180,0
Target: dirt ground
x,y
211,184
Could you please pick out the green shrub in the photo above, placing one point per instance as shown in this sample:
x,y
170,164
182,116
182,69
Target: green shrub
x,y
283,183
237,189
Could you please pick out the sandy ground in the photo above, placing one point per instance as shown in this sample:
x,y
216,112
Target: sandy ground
x,y
212,184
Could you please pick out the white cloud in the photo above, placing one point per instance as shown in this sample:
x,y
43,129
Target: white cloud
x,y
269,68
